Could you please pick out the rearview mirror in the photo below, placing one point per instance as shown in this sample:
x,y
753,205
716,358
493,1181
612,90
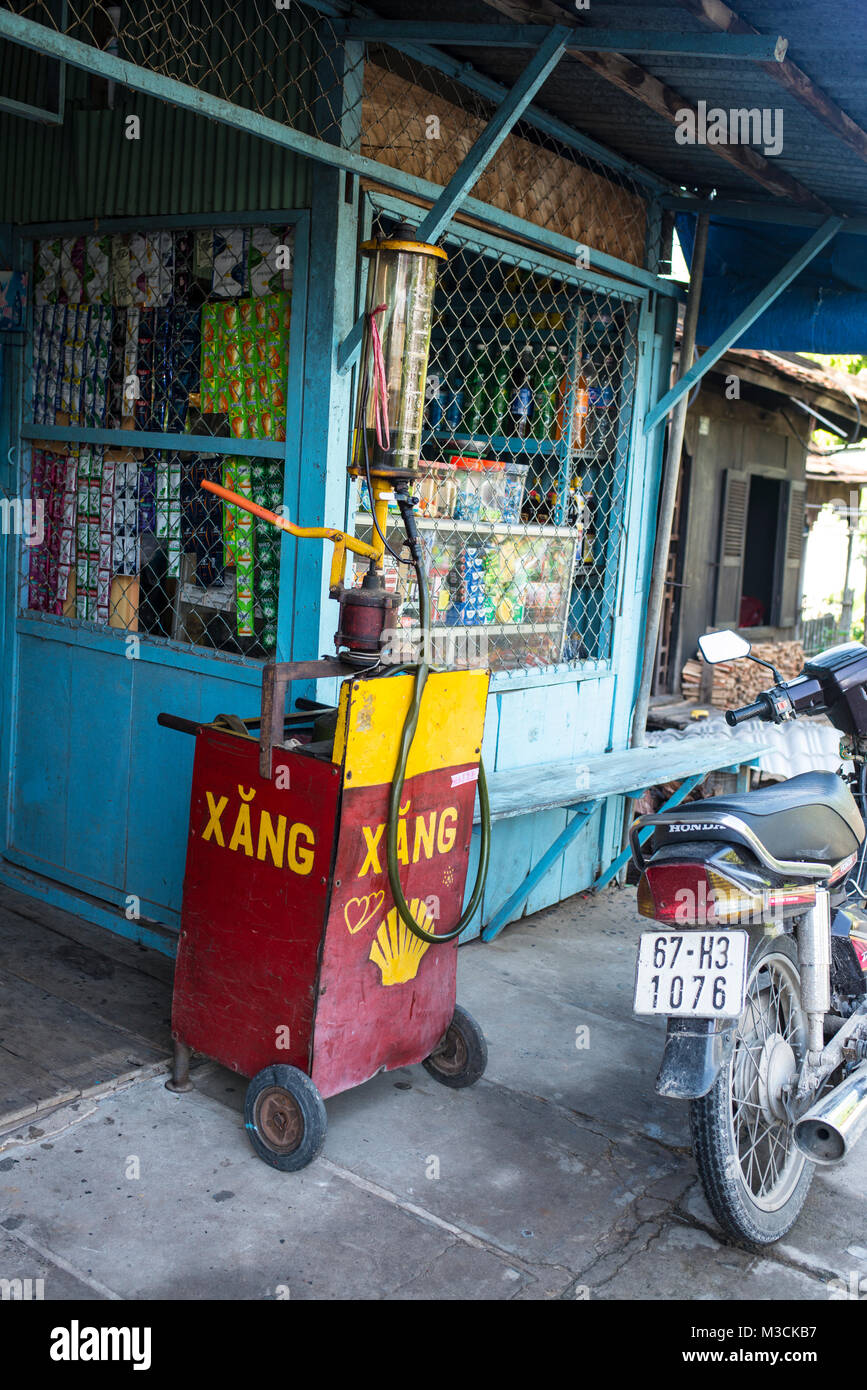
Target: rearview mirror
x,y
722,646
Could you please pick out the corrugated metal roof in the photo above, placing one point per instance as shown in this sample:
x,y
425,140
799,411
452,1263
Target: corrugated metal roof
x,y
806,745
827,40
842,385
182,164
849,466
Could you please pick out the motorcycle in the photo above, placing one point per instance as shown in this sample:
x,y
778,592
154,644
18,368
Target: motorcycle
x,y
761,966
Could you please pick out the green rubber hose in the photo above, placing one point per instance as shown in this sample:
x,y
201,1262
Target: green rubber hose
x,y
422,671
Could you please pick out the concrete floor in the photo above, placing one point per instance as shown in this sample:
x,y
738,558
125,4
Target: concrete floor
x,y
561,1175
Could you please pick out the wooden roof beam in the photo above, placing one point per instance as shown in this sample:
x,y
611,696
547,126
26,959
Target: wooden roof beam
x,y
637,82
788,74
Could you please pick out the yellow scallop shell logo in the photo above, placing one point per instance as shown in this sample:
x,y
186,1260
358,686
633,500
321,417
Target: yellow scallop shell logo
x,y
394,948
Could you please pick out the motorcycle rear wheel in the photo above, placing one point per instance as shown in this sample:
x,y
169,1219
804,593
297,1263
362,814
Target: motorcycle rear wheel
x,y
755,1180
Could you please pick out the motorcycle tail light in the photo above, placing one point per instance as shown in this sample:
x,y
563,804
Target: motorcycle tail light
x,y
780,898
693,895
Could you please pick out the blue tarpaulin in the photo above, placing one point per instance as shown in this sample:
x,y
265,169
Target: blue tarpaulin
x,y
823,310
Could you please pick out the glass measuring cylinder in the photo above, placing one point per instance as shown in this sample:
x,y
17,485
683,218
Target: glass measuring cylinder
x,y
402,276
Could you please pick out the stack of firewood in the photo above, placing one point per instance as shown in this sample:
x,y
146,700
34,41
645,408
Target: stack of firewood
x,y
734,683
691,679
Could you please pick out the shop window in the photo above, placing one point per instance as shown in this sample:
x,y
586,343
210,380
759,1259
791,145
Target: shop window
x,y
524,463
160,333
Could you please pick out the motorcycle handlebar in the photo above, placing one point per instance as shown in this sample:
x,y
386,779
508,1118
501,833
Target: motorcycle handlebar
x,y
759,709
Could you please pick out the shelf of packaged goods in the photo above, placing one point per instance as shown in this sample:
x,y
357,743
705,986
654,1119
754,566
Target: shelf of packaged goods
x,y
481,528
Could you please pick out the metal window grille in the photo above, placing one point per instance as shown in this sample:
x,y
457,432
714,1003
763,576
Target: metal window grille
x,y
523,475
282,63
167,332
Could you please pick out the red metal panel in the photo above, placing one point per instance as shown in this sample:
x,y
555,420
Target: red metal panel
x,y
258,868
385,998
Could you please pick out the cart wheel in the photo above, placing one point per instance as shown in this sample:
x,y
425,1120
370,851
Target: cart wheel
x,y
462,1055
285,1117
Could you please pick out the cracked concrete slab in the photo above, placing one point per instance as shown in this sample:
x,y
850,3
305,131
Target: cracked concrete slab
x,y
661,1260
560,1176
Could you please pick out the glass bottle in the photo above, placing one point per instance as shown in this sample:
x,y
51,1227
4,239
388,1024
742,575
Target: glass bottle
x,y
545,395
497,415
476,397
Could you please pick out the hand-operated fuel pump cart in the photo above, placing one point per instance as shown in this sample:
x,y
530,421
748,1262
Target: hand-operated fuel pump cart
x,y
327,860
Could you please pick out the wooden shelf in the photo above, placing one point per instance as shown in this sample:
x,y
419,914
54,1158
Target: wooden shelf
x,y
484,528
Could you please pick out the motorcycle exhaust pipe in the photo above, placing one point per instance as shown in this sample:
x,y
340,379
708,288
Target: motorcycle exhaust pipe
x,y
831,1128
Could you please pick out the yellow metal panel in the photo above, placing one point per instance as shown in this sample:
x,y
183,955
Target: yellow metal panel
x,y
371,719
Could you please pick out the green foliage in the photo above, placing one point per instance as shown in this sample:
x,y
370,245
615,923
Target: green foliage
x,y
852,362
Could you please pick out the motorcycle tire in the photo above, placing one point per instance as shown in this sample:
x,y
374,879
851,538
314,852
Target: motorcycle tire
x,y
755,1180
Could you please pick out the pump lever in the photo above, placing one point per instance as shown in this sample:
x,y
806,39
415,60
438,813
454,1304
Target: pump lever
x,y
340,540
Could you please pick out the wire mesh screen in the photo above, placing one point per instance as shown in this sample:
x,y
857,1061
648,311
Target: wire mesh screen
x,y
162,332
523,473
281,61
426,122
288,63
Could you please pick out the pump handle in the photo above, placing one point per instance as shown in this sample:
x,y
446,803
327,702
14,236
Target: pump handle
x,y
340,540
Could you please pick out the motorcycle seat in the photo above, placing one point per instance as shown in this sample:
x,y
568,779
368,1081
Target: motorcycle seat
x,y
812,816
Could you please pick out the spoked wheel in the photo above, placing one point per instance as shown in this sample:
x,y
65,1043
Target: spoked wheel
x,y
462,1055
285,1117
755,1179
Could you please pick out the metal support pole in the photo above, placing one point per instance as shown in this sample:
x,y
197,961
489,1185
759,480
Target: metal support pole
x,y
848,591
541,65
180,1077
583,812
669,487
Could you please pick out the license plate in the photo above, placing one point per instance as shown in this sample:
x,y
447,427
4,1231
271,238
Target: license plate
x,y
691,974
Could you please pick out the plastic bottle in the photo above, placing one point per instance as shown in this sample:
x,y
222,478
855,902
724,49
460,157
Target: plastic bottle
x,y
453,403
437,393
609,368
580,408
575,503
522,396
601,401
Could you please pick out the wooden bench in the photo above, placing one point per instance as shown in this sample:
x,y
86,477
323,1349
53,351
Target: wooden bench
x,y
579,786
